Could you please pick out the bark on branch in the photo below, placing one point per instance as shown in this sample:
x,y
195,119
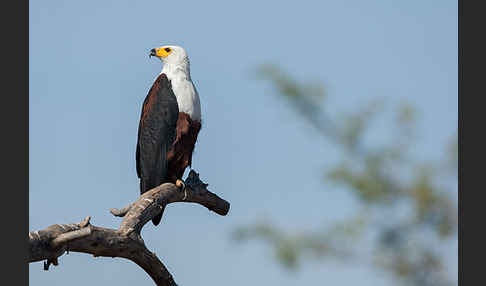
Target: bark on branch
x,y
50,243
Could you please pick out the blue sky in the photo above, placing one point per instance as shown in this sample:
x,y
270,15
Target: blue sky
x,y
90,71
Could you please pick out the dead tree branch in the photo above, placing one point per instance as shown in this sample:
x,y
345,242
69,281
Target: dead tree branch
x,y
50,243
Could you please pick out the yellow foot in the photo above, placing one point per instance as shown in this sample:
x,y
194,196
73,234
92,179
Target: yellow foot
x,y
180,184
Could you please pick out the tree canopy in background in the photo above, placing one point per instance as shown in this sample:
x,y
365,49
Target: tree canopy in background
x,y
407,206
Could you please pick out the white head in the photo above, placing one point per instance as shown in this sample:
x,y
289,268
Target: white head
x,y
174,55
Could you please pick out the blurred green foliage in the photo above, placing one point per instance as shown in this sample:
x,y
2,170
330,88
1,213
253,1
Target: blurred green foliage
x,y
382,176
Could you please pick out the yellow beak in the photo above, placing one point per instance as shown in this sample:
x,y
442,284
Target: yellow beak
x,y
158,52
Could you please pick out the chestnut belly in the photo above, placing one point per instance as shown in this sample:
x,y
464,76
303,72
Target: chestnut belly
x,y
179,156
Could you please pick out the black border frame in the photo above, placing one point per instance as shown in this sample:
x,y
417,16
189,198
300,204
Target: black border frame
x,y
471,89
15,135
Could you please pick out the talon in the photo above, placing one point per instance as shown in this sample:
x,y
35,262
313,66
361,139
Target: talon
x,y
185,194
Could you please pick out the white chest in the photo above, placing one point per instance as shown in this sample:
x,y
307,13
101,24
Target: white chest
x,y
185,92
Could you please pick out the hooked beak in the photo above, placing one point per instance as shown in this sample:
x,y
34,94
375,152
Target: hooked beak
x,y
153,52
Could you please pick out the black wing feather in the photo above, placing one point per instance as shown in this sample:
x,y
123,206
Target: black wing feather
x,y
156,133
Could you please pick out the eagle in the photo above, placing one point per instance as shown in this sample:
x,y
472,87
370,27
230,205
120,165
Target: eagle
x,y
169,124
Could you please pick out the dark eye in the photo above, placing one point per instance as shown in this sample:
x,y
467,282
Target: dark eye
x,y
167,49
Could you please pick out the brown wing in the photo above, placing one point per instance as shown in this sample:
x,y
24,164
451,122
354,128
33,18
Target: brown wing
x,y
156,133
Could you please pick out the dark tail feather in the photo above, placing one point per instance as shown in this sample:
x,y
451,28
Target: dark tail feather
x,y
142,186
157,218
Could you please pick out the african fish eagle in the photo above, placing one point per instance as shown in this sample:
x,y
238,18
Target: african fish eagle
x,y
169,124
